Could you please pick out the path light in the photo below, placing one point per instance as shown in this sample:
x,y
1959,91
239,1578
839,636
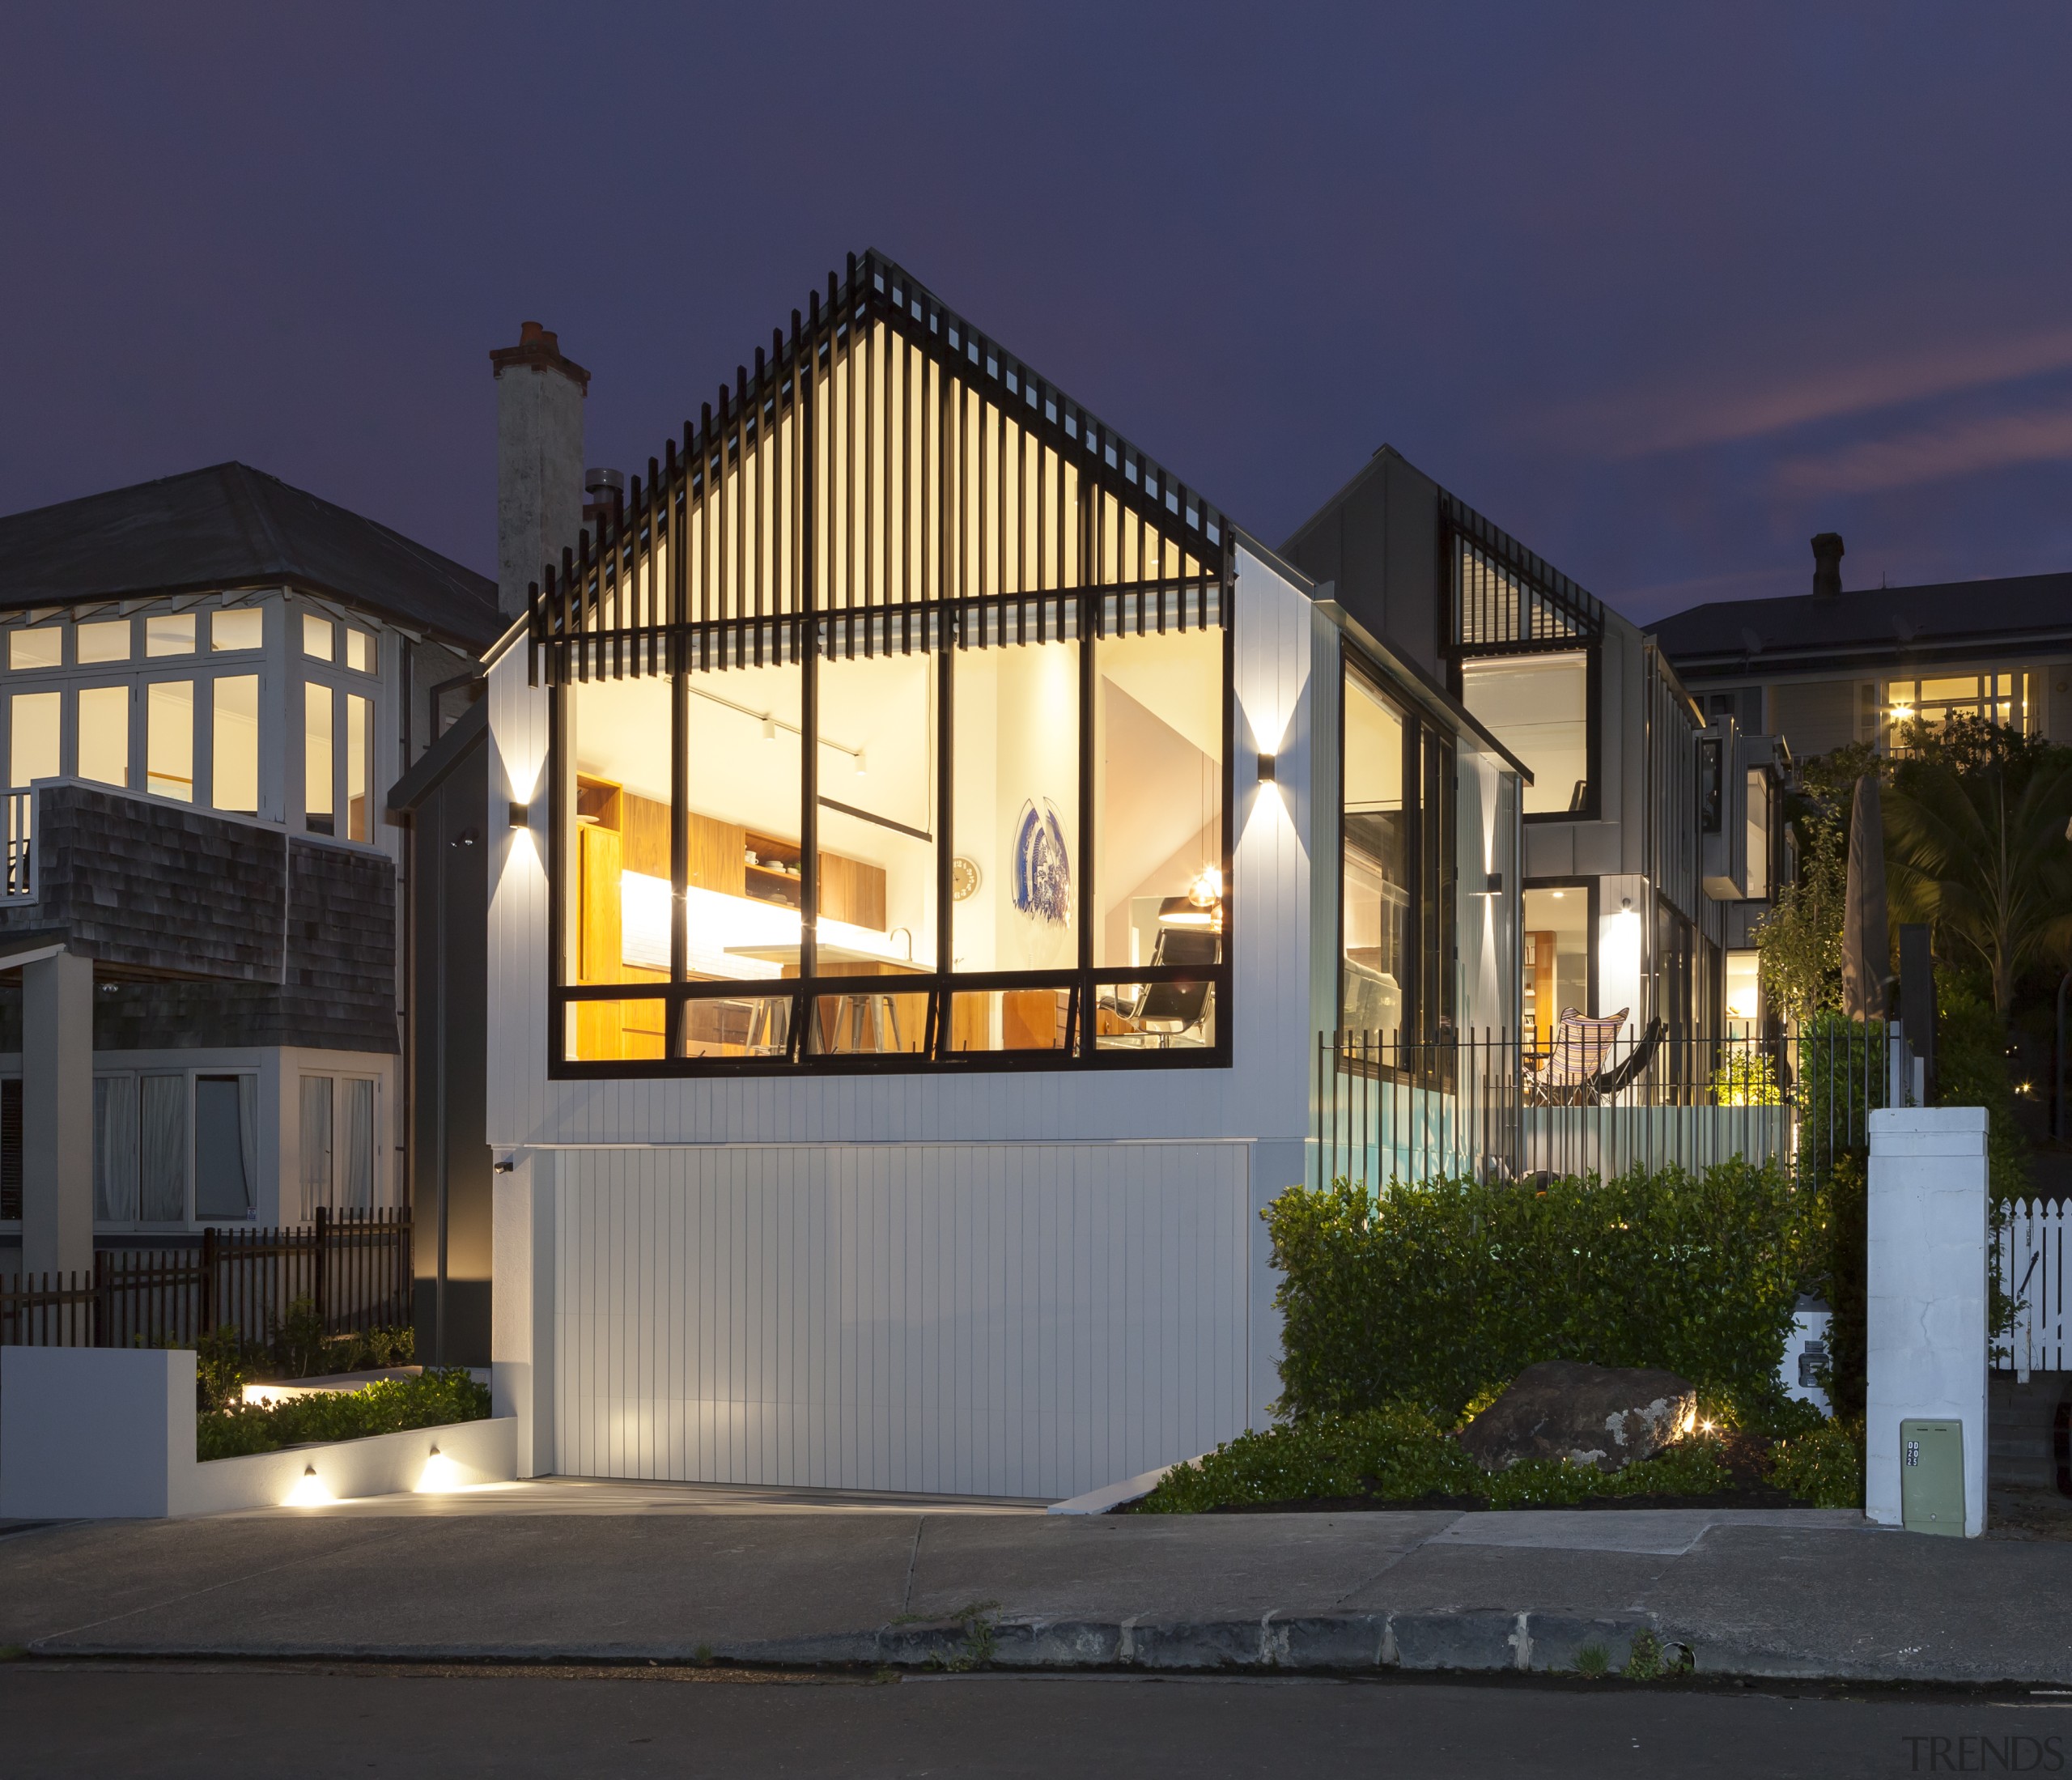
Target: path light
x,y
308,1492
440,1473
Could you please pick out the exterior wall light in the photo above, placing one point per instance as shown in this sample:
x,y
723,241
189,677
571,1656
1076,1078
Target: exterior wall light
x,y
1266,769
522,816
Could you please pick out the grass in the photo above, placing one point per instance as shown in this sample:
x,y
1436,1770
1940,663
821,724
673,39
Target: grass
x,y
390,1406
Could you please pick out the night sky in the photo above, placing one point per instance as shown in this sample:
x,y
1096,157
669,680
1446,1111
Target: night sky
x,y
1662,291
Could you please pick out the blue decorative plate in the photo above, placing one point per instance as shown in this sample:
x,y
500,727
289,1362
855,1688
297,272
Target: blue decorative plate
x,y
1042,865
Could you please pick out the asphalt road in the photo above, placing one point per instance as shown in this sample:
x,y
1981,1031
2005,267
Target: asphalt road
x,y
229,1722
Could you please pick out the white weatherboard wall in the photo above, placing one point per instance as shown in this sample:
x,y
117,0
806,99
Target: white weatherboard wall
x,y
1024,1320
1025,1283
1924,1331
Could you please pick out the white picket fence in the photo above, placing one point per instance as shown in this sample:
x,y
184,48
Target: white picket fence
x,y
2032,1258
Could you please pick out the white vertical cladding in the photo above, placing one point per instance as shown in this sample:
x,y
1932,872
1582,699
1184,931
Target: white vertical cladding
x,y
518,935
1020,1283
1274,1033
1027,1319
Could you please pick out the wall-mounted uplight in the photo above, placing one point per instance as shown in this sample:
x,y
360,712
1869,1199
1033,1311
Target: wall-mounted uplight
x,y
521,815
1267,768
1492,886
308,1492
440,1473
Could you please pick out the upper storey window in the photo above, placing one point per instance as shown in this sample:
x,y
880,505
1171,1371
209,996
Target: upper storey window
x,y
1538,706
42,646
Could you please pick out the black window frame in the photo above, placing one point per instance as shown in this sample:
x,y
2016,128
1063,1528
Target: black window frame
x,y
1084,981
1592,650
1431,867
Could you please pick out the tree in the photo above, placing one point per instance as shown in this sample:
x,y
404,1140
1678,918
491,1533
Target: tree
x,y
1977,843
1799,943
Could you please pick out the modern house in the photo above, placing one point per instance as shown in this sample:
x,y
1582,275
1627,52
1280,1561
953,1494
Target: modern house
x,y
210,683
915,889
1650,844
927,839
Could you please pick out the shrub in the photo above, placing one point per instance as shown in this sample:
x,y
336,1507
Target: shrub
x,y
1437,1294
1824,1466
1398,1454
387,1406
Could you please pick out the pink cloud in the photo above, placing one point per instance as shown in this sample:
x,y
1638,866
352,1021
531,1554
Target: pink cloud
x,y
1933,454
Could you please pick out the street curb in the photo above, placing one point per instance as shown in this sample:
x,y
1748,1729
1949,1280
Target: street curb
x,y
1468,1642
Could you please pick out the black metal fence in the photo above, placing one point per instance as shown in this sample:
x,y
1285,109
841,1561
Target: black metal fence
x,y
1491,1105
354,1268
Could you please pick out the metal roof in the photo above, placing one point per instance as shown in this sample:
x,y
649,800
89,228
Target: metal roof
x,y
1872,625
232,526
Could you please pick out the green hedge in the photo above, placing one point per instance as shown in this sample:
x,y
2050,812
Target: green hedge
x,y
1399,1453
389,1406
1438,1294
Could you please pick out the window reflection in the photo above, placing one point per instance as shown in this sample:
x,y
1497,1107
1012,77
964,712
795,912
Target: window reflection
x,y
1377,865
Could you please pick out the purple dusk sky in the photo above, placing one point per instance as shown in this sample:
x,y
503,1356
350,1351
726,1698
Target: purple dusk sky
x,y
1662,291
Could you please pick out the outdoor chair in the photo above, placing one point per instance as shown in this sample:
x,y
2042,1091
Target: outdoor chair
x,y
1582,1046
1616,1082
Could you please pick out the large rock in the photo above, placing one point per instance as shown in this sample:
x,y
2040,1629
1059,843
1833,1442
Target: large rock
x,y
1589,1415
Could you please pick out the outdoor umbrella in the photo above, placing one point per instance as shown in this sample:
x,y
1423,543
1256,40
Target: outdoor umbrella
x,y
1866,941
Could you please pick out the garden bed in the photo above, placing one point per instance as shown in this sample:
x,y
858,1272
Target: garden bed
x,y
1397,1459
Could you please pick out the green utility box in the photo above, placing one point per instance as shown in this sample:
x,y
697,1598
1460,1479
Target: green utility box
x,y
1932,1477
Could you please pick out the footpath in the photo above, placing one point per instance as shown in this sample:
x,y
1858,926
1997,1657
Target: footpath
x,y
568,1571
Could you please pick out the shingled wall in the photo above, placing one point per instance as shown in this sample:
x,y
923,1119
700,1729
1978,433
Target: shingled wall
x,y
293,942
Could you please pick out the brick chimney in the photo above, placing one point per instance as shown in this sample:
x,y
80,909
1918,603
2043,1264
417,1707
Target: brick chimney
x,y
1827,565
539,460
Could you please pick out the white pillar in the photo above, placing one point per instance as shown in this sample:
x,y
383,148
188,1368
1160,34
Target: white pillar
x,y
1925,1314
58,1115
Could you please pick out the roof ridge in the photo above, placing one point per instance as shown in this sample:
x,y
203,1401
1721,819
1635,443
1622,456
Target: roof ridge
x,y
246,480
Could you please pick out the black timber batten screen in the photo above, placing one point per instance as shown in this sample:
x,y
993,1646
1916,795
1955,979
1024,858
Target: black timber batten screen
x,y
1505,598
895,479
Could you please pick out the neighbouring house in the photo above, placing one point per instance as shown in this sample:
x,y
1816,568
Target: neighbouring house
x,y
211,682
1828,667
925,840
1651,838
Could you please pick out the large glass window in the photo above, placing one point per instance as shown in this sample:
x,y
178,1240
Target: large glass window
x,y
947,832
1556,959
1376,914
33,730
105,734
169,739
1538,706
2007,699
236,744
1758,838
1018,865
319,794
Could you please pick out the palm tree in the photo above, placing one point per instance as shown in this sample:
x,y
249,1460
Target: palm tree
x,y
1976,841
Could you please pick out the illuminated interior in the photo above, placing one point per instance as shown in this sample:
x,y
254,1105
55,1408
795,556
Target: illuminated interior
x,y
978,794
1538,706
1556,958
2007,699
1013,852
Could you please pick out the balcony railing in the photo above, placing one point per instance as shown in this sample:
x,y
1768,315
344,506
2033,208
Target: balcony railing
x,y
1487,1106
19,883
